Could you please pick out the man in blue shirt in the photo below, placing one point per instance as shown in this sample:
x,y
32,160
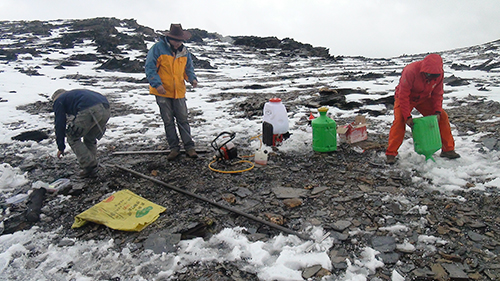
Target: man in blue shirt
x,y
91,114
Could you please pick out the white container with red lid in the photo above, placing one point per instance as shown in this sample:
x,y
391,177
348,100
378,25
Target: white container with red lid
x,y
275,114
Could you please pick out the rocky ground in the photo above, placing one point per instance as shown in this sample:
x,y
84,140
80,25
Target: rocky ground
x,y
341,191
344,192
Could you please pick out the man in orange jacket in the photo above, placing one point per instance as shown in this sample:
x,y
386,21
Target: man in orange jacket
x,y
420,87
168,65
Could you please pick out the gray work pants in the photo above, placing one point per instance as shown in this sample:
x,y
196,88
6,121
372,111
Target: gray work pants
x,y
90,124
175,111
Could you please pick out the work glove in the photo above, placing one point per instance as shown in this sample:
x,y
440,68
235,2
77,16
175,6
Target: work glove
x,y
161,90
409,122
438,115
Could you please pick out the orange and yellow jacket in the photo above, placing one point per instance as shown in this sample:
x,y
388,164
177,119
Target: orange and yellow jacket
x,y
415,88
163,67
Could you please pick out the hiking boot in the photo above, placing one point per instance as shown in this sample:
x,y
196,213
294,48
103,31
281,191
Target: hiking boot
x,y
450,154
172,155
191,153
89,172
391,159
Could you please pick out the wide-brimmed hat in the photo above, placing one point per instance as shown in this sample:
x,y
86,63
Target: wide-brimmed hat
x,y
57,94
176,32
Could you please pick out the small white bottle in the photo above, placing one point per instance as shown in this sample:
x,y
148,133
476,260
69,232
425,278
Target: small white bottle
x,y
261,157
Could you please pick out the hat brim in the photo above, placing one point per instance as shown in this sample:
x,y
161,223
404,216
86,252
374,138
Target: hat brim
x,y
58,93
185,35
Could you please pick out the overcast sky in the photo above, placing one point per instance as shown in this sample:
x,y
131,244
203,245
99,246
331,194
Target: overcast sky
x,y
371,28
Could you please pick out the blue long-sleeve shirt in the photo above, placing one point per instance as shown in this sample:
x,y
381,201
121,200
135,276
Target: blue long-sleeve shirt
x,y
70,103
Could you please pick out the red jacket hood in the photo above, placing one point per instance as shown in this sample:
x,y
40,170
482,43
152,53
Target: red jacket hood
x,y
433,64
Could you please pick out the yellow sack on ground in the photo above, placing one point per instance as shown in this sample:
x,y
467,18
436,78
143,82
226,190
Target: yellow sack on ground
x,y
123,210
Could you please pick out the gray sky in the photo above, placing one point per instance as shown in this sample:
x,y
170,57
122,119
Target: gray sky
x,y
371,28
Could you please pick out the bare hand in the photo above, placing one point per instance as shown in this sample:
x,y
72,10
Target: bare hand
x,y
409,122
194,83
60,154
438,115
161,90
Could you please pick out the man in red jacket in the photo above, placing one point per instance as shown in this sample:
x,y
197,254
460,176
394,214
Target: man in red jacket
x,y
420,87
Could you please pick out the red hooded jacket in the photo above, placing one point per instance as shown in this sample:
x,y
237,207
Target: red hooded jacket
x,y
415,88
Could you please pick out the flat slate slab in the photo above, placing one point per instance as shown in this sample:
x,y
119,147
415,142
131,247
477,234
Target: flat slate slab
x,y
289,192
455,272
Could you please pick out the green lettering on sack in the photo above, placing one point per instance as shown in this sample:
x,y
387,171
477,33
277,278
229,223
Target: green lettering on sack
x,y
143,212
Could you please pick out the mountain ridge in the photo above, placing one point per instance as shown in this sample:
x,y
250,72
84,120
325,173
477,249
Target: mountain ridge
x,y
103,31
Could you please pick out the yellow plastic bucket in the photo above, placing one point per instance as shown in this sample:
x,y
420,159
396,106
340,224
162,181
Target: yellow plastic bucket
x,y
426,136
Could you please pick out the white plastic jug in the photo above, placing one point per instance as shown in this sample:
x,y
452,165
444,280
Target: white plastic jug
x,y
261,157
275,114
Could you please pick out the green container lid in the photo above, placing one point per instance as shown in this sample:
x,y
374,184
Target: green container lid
x,y
324,130
426,136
